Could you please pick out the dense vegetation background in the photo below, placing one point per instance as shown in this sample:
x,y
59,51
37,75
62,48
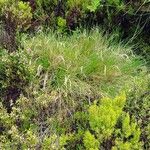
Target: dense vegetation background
x,y
74,74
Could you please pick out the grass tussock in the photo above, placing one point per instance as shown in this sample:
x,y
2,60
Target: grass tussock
x,y
81,64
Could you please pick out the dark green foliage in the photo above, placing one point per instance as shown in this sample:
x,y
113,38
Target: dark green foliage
x,y
75,12
130,17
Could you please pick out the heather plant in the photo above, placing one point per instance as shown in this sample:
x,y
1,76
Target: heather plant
x,y
31,125
105,119
90,142
129,135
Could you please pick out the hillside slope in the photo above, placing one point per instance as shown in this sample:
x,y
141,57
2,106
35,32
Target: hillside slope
x,y
60,92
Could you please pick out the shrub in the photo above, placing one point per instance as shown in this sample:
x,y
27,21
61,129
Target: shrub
x,y
16,15
31,124
70,14
104,120
108,10
90,142
138,104
14,77
129,135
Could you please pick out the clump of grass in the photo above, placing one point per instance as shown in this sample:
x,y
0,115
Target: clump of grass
x,y
78,69
84,64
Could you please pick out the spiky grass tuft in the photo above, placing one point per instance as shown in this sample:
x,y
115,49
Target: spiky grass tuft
x,y
81,66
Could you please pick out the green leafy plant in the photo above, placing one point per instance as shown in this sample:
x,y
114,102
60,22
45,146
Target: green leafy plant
x,y
90,142
61,24
14,77
138,104
94,5
103,118
129,135
16,16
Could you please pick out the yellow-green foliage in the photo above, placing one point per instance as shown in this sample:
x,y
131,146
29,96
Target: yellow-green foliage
x,y
21,13
3,3
78,3
128,136
90,142
55,142
61,24
18,11
26,134
103,117
93,5
104,120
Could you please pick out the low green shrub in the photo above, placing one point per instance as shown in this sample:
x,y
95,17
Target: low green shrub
x,y
75,12
17,12
31,124
103,118
90,142
138,104
14,16
112,127
14,77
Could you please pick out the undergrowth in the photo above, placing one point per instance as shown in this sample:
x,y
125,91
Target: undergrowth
x,y
68,99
